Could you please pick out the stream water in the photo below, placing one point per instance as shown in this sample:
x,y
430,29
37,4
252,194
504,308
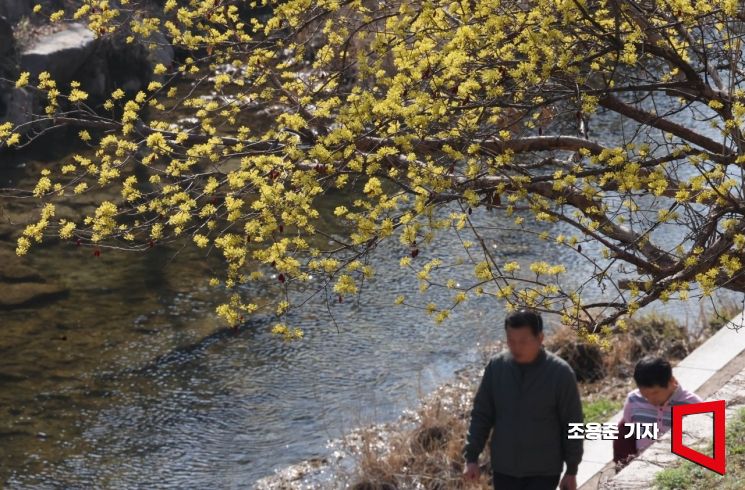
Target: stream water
x,y
131,382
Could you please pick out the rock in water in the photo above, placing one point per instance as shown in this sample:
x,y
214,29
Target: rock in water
x,y
61,53
22,286
17,295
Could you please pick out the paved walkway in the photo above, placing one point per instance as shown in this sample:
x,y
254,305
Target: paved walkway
x,y
714,371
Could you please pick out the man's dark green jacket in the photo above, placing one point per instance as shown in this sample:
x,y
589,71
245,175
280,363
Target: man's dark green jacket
x,y
529,407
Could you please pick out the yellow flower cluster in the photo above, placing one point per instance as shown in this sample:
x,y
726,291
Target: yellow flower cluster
x,y
286,332
103,223
35,231
427,82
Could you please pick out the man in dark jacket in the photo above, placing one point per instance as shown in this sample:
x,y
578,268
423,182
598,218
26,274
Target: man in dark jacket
x,y
528,397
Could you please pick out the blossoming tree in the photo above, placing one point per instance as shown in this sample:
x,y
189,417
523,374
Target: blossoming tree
x,y
422,106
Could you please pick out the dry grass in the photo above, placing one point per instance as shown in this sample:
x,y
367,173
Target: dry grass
x,y
427,456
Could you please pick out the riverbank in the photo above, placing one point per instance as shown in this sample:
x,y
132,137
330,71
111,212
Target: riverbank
x,y
422,449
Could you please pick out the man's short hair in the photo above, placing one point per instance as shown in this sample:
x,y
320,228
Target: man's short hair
x,y
653,371
525,318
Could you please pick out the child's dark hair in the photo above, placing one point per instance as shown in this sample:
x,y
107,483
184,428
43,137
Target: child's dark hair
x,y
525,318
653,371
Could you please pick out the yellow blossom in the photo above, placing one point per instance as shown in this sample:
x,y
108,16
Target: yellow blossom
x,y
201,240
23,79
66,229
345,285
14,139
77,95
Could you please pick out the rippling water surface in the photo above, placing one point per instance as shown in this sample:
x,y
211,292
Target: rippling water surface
x,y
131,381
